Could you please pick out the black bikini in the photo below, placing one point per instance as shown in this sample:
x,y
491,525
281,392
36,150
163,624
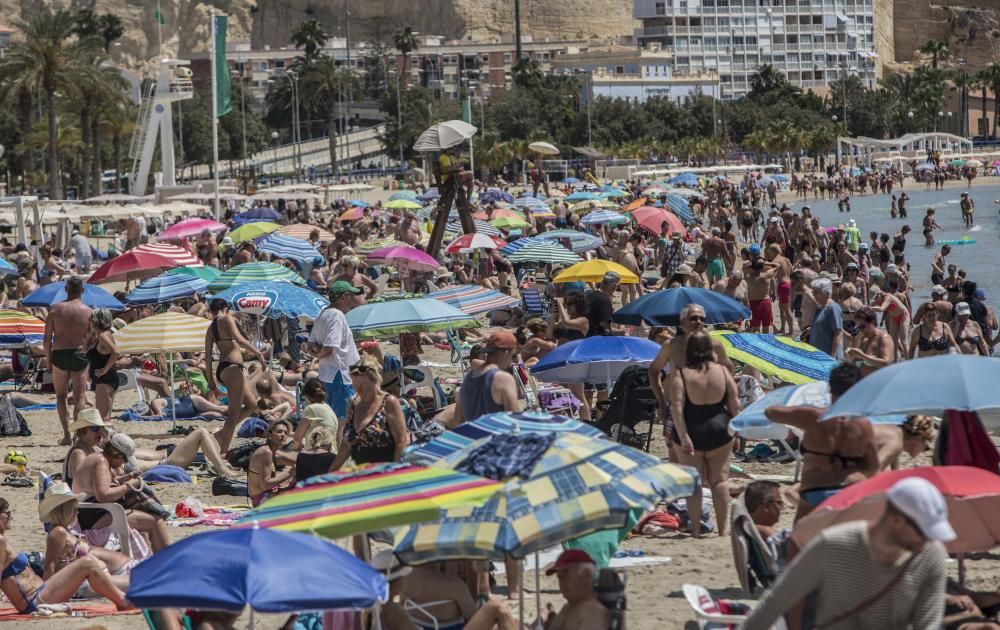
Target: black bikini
x,y
223,364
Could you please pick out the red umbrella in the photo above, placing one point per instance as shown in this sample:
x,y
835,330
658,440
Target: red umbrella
x,y
972,495
476,240
652,219
133,265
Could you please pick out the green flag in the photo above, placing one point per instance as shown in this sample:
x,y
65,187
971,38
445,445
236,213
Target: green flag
x,y
223,103
159,17
467,110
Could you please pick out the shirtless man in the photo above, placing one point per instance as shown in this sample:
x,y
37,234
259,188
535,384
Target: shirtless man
x,y
65,331
876,348
713,248
583,611
783,280
759,274
262,480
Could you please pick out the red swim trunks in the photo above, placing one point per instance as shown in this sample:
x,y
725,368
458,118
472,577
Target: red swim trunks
x,y
784,292
761,313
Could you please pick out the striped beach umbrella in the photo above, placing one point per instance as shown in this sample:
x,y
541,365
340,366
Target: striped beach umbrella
x,y
181,256
289,247
254,272
388,319
165,288
474,299
368,499
547,252
303,230
18,329
250,231
166,332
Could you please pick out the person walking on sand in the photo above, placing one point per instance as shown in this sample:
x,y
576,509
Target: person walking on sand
x,y
65,333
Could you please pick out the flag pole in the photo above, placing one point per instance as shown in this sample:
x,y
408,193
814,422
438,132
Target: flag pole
x,y
215,115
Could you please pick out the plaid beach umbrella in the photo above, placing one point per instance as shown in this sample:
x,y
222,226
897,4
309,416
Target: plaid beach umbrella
x,y
254,272
165,288
251,231
474,299
388,319
547,252
289,247
18,329
166,332
779,357
368,499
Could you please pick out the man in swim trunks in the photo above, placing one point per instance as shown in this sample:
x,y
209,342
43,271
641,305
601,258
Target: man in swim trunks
x,y
783,280
65,332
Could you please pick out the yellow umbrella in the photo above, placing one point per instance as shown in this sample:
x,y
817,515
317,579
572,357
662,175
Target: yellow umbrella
x,y
512,222
594,270
253,230
403,204
166,332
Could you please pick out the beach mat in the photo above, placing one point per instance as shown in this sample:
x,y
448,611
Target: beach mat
x,y
81,609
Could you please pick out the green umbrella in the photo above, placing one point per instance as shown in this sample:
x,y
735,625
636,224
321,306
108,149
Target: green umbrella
x,y
206,273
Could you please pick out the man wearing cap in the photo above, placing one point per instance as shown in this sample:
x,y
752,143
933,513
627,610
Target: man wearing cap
x,y
65,333
890,574
490,387
583,610
332,342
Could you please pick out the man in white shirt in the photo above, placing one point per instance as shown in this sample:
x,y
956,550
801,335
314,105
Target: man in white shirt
x,y
332,343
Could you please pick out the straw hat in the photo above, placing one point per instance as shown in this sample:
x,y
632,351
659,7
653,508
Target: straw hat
x,y
89,417
57,494
387,562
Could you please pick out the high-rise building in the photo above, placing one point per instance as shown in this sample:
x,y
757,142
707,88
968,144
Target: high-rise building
x,y
811,42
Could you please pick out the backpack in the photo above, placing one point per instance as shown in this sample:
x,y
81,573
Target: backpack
x,y
11,420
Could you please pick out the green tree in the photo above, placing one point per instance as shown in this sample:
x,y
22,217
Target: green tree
x,y
938,51
405,42
323,83
311,37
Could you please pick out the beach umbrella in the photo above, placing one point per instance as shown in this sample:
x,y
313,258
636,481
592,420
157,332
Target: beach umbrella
x,y
132,265
599,217
304,230
165,288
261,213
402,255
583,196
679,206
779,357
928,386
494,195
544,148
274,300
290,247
18,329
55,292
971,494
369,498
166,332
474,299
663,308
482,227
238,567
599,359
514,222
547,252
500,423
594,270
206,273
251,231
403,204
476,240
388,319
578,241
652,219
190,227
444,135
179,255
254,272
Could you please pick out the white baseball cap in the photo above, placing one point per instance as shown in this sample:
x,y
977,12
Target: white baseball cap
x,y
918,499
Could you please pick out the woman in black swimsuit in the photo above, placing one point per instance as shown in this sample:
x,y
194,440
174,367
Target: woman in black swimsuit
x,y
703,399
570,323
102,355
931,337
226,335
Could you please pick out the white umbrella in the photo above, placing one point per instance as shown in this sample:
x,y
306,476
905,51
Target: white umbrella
x,y
544,148
444,135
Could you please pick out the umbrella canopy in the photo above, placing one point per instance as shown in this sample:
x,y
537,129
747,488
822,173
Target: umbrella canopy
x,y
289,247
501,423
206,273
55,292
274,300
369,498
544,252
254,272
932,385
514,222
652,219
388,319
783,358
972,496
474,299
179,255
545,148
132,265
254,230
403,255
578,241
234,568
403,204
165,288
18,328
261,213
444,135
599,359
166,332
476,240
603,216
304,230
190,227
663,308
594,270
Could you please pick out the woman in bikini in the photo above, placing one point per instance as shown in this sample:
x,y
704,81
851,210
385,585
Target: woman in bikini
x,y
375,430
26,591
227,337
931,337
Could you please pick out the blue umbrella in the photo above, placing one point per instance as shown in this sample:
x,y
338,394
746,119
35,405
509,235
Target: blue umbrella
x,y
927,386
234,568
93,296
7,269
583,196
603,216
594,359
260,213
578,241
274,300
165,288
663,308
429,194
289,247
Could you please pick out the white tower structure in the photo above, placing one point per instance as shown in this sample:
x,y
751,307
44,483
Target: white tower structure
x,y
156,118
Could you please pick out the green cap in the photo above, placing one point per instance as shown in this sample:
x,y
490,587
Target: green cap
x,y
341,287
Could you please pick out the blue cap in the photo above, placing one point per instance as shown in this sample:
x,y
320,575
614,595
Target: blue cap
x,y
754,250
979,294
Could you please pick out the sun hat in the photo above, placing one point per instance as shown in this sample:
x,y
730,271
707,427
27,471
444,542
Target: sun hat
x,y
89,417
56,494
918,499
387,562
569,558
963,308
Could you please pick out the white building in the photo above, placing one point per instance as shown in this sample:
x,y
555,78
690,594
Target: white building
x,y
811,42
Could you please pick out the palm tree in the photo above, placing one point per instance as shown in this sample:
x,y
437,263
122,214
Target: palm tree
x,y
937,49
311,37
323,82
405,42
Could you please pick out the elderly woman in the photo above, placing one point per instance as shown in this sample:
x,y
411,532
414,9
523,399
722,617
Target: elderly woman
x,y
967,332
375,430
931,337
102,354
26,591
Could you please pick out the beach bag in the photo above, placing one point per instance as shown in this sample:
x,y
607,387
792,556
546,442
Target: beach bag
x,y
11,420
